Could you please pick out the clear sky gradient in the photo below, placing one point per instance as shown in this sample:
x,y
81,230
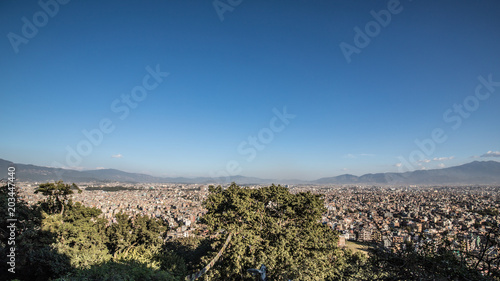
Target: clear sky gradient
x,y
360,89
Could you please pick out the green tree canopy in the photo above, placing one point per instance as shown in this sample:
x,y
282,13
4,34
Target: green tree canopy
x,y
57,195
140,238
81,234
274,227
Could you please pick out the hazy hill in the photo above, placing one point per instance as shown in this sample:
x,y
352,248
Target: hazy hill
x,y
34,173
477,172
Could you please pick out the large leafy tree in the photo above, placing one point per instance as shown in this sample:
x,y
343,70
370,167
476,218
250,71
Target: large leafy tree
x,y
274,227
57,194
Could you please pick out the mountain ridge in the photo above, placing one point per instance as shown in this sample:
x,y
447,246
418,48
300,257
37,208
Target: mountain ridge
x,y
476,172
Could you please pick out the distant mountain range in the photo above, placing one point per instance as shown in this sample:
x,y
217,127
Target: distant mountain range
x,y
477,172
34,173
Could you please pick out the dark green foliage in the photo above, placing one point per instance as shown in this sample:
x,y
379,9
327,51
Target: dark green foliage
x,y
120,235
427,264
190,250
57,195
120,271
36,259
173,263
58,237
271,226
139,238
80,234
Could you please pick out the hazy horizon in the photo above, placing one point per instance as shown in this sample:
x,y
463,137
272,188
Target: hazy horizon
x,y
248,176
301,90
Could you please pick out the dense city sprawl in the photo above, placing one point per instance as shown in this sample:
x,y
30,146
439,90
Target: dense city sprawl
x,y
393,217
388,216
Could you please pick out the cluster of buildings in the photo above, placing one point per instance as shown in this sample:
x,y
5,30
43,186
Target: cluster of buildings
x,y
178,205
389,216
394,217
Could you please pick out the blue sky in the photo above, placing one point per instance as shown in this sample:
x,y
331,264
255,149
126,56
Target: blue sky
x,y
271,71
